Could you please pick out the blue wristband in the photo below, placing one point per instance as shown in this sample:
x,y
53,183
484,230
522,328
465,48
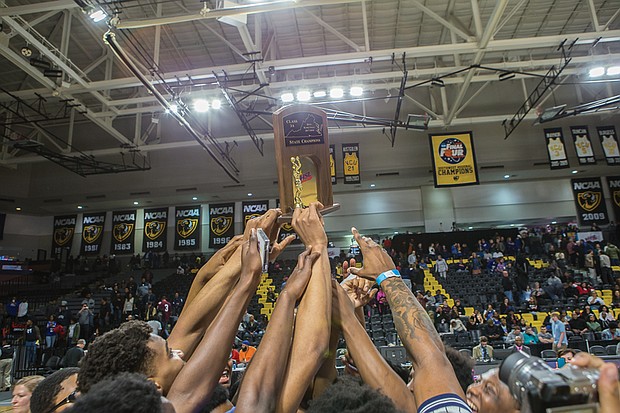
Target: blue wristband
x,y
387,274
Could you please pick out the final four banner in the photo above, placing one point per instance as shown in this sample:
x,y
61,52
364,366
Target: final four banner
x,y
123,232
187,234
332,163
556,148
590,201
351,162
609,141
64,228
221,220
92,233
613,182
155,230
454,159
583,145
253,209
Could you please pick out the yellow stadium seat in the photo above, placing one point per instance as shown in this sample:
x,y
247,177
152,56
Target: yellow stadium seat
x,y
268,305
469,311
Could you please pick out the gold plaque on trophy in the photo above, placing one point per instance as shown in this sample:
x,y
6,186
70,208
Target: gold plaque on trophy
x,y
302,158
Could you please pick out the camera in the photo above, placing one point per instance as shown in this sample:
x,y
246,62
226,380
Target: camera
x,y
540,389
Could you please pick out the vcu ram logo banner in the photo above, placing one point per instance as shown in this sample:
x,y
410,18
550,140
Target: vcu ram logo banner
x,y
155,230
221,220
609,141
253,209
613,183
123,232
92,233
187,234
62,238
454,160
556,150
590,201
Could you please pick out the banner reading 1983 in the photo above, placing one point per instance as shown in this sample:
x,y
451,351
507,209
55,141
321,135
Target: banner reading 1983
x,y
155,230
123,231
454,159
64,228
590,201
221,220
187,234
253,209
92,233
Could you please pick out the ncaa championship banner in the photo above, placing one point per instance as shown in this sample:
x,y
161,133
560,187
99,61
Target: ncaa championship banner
x,y
609,141
454,159
590,201
155,230
221,224
253,209
187,234
332,163
92,233
613,182
583,145
556,150
123,232
351,162
62,238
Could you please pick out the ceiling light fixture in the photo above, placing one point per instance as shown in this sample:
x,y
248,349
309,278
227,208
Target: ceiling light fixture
x,y
303,95
201,105
356,91
597,71
319,94
613,71
554,222
574,171
250,194
194,198
18,209
287,97
26,51
506,176
372,185
135,202
97,15
336,93
419,122
80,207
216,104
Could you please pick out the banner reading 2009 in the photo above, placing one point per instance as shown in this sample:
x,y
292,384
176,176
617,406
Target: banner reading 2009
x,y
92,233
221,224
590,201
187,234
155,230
454,159
123,230
64,228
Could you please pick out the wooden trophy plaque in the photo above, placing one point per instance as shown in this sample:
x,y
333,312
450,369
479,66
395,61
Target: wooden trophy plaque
x,y
302,159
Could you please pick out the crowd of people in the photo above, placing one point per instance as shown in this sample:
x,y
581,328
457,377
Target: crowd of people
x,y
130,366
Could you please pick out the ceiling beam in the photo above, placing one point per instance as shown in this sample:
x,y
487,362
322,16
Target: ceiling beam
x,y
333,31
38,8
441,20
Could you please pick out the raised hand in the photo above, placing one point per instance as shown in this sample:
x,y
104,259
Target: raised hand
x,y
278,247
251,264
267,221
359,290
308,224
342,307
217,261
376,259
297,282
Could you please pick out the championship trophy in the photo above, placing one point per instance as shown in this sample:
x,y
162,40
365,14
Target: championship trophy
x,y
302,159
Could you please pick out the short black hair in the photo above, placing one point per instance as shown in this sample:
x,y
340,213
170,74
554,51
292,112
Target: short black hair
x,y
124,393
219,396
123,349
42,399
349,395
462,365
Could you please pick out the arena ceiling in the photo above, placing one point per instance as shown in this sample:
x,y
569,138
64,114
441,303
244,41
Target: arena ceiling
x,y
452,50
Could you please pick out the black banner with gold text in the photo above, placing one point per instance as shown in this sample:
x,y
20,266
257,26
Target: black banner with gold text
x,y
123,232
92,233
589,201
613,183
221,224
609,142
253,209
583,145
332,163
155,230
187,223
62,238
556,150
351,162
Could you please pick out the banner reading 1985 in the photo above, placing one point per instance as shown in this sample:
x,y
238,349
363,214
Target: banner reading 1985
x,y
187,234
92,233
556,148
123,231
454,159
590,202
221,220
155,230
253,209
64,228
609,141
351,162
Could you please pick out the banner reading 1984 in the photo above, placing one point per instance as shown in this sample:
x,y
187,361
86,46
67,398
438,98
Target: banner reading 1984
x,y
155,230
221,224
187,234
64,228
92,233
123,231
454,159
590,201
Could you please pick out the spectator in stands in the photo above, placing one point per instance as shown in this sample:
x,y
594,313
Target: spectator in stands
x,y
483,351
56,393
132,286
105,316
441,266
606,272
73,332
50,332
514,334
519,346
86,318
529,337
22,392
246,352
593,324
611,333
442,320
143,288
616,299
252,330
560,341
457,326
32,338
614,254
12,308
128,305
577,324
507,285
475,266
6,361
506,306
63,316
22,310
165,308
589,264
554,287
74,354
544,336
584,289
567,354
491,331
489,312
594,301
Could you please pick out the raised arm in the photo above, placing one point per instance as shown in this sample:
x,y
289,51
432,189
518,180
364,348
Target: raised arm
x,y
433,372
196,381
313,320
259,391
371,365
